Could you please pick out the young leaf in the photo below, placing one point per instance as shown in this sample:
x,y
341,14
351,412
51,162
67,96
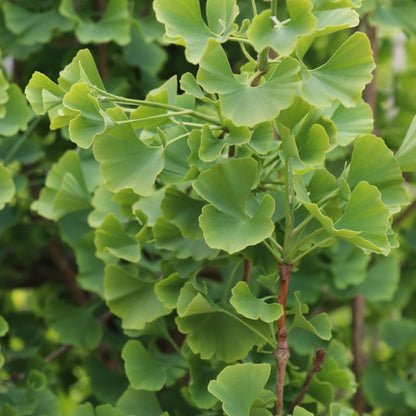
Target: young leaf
x,y
251,307
227,223
238,398
343,76
139,403
185,26
282,36
406,155
270,97
143,371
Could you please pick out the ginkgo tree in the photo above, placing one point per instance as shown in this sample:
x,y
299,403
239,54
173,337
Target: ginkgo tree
x,y
191,211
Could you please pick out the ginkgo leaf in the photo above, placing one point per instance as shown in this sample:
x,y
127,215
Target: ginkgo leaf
x,y
282,36
319,325
334,16
111,237
131,297
185,25
7,187
32,28
351,122
212,330
89,120
343,76
142,369
65,189
375,163
300,411
114,24
227,222
246,304
270,97
17,112
86,409
406,154
127,162
75,325
238,398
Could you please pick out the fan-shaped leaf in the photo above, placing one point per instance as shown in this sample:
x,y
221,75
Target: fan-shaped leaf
x,y
282,36
185,26
126,162
242,103
238,398
246,304
132,298
7,187
343,76
406,155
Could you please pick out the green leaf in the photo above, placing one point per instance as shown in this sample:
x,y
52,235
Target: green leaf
x,y
32,28
300,411
4,327
132,298
212,330
36,380
139,403
114,24
143,371
351,122
339,410
238,398
75,325
7,187
230,222
373,162
282,36
17,112
88,119
169,237
398,333
334,16
246,304
103,410
112,237
406,155
127,162
319,325
65,191
343,76
185,25
270,97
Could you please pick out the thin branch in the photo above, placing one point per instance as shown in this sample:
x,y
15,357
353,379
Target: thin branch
x,y
254,7
318,360
282,353
247,270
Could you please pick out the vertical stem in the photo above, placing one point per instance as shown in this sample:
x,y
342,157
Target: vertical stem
x,y
282,353
288,206
273,8
247,270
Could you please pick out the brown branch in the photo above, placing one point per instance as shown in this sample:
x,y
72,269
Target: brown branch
x,y
318,360
282,353
357,306
68,274
247,270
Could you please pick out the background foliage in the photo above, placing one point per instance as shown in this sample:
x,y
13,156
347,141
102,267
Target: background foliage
x,y
104,274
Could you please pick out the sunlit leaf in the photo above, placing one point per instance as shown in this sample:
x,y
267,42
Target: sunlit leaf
x,y
229,222
185,25
343,76
238,398
282,36
406,155
274,94
7,187
143,370
246,304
